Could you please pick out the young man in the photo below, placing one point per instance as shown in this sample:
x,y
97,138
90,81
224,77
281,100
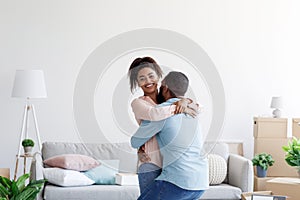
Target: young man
x,y
185,172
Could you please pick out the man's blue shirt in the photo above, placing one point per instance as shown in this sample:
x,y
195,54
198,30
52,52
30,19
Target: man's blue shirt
x,y
180,143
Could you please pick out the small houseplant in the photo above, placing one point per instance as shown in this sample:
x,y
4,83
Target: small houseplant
x,y
262,162
17,190
27,144
292,156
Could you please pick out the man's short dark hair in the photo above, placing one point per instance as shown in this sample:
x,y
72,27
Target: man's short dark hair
x,y
177,83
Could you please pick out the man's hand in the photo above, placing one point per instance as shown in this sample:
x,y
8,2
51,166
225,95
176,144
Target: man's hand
x,y
142,155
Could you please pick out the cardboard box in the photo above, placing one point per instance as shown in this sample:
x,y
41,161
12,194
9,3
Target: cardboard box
x,y
289,187
5,172
270,127
260,183
127,179
296,127
247,195
274,147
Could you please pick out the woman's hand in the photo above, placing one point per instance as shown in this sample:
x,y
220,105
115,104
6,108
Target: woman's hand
x,y
191,112
182,107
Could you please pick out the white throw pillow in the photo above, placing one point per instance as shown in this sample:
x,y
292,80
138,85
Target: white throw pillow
x,y
217,169
65,177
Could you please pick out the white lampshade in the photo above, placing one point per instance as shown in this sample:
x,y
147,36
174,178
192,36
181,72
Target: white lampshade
x,y
276,102
29,84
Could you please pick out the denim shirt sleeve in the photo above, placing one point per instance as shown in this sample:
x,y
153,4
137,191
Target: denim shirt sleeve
x,y
146,130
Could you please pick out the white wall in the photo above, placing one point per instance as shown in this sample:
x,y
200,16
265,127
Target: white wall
x,y
254,45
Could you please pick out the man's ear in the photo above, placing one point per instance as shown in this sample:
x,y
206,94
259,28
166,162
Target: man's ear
x,y
167,92
166,89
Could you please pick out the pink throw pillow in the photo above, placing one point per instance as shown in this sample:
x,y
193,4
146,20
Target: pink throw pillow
x,y
72,161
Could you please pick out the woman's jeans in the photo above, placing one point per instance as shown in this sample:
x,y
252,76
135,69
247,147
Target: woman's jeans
x,y
147,173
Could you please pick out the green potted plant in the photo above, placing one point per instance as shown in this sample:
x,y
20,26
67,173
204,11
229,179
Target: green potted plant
x,y
262,162
17,190
292,156
27,144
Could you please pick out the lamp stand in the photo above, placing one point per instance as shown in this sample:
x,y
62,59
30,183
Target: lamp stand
x,y
28,107
276,113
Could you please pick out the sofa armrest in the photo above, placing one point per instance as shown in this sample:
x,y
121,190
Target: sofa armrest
x,y
240,172
36,171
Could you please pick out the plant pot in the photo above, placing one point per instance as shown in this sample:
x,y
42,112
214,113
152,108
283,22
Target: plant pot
x,y
27,150
261,172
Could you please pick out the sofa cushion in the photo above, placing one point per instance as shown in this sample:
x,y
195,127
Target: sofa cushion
x,y
106,151
72,161
105,174
64,177
93,192
217,169
222,149
222,191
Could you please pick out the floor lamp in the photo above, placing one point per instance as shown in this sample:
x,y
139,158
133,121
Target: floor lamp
x,y
28,84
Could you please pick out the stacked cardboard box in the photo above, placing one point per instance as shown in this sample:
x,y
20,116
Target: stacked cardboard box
x,y
289,187
260,183
5,172
270,134
296,127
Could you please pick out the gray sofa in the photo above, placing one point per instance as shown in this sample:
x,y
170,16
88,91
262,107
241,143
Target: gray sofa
x,y
240,173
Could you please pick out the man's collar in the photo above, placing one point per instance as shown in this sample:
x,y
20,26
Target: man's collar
x,y
172,100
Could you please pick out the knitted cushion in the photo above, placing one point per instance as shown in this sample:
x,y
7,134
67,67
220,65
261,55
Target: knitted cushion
x,y
217,169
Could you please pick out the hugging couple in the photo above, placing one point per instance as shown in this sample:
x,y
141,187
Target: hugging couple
x,y
168,139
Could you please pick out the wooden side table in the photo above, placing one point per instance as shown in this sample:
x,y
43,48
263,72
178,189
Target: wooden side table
x,y
24,156
289,187
247,195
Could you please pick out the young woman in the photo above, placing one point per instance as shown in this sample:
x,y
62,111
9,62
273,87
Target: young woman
x,y
145,73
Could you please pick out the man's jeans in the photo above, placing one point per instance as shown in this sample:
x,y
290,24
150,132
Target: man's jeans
x,y
163,190
147,173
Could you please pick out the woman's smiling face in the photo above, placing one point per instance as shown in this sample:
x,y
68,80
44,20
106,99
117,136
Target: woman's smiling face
x,y
147,79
